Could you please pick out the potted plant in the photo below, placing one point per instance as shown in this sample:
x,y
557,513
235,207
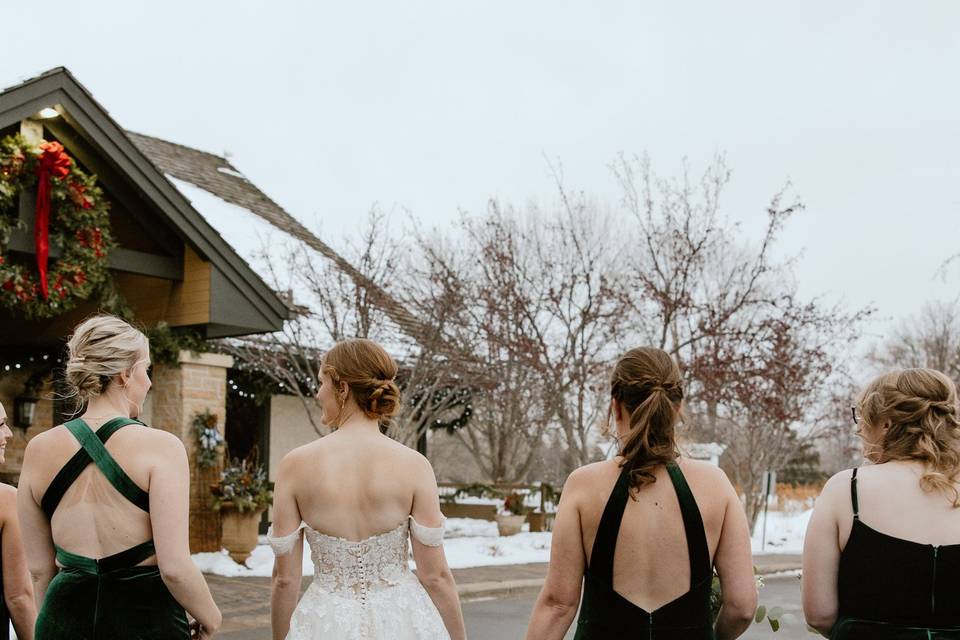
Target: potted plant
x,y
510,521
542,519
242,494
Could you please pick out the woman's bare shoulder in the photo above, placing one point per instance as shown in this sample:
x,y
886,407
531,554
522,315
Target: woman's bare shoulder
x,y
703,472
590,475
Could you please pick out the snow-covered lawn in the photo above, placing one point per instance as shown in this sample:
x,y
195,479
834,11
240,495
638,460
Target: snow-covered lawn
x,y
785,530
475,543
468,543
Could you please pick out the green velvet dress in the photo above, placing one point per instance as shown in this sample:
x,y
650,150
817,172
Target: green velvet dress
x,y
107,598
606,615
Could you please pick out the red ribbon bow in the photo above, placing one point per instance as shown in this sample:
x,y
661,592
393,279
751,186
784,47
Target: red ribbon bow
x,y
55,163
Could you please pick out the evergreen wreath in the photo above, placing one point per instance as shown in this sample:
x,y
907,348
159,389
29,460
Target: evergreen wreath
x,y
77,225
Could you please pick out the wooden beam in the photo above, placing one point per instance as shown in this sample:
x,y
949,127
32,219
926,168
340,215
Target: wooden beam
x,y
119,259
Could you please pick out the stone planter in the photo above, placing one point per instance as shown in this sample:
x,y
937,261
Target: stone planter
x,y
537,520
240,531
510,525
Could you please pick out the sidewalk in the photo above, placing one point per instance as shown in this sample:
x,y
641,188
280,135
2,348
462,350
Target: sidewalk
x,y
245,602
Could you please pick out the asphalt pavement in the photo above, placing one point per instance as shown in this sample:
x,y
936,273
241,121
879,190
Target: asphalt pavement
x,y
507,619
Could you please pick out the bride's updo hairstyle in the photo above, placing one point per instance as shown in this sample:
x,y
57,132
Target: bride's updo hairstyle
x,y
919,409
369,372
646,385
100,348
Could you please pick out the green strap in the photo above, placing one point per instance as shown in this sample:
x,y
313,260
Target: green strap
x,y
605,542
75,466
127,558
697,548
108,466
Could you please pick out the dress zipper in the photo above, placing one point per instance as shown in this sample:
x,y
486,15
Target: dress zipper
x,y
933,587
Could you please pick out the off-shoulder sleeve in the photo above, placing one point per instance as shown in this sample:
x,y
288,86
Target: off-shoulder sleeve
x,y
282,545
429,536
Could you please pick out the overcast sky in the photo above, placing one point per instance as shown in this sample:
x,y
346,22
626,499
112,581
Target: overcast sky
x,y
438,106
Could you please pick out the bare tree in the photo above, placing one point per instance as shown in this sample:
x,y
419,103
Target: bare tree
x,y
486,278
758,363
578,270
930,338
328,304
772,386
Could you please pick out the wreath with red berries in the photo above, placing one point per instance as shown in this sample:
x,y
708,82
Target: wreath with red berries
x,y
72,217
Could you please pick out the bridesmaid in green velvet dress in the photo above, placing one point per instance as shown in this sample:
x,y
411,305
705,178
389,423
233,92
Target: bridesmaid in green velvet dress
x,y
17,604
103,500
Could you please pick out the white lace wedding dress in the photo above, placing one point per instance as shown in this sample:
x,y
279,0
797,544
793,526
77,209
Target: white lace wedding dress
x,y
364,590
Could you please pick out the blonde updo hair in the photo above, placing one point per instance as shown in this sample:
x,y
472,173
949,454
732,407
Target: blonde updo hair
x,y
920,409
369,372
100,348
646,385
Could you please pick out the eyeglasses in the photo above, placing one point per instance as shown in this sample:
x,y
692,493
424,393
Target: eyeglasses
x,y
855,414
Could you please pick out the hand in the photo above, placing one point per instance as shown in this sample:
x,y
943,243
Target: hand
x,y
199,632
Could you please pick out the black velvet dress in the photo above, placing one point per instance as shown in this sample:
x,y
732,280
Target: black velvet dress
x,y
895,589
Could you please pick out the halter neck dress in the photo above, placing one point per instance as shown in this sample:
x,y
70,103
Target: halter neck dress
x,y
106,598
895,589
605,614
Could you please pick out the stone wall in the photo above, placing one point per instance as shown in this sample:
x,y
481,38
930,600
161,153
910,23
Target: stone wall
x,y
198,384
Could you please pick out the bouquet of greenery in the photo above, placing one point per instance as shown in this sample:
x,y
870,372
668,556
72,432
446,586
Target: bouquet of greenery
x,y
775,616
513,504
244,484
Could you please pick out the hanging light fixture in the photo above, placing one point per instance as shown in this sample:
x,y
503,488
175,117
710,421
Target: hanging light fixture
x,y
24,411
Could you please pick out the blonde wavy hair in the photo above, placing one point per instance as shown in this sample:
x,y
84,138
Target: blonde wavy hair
x,y
919,408
100,348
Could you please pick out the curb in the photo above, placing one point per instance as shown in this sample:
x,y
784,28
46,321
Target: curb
x,y
495,589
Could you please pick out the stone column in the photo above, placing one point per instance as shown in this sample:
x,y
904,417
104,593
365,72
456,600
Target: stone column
x,y
197,384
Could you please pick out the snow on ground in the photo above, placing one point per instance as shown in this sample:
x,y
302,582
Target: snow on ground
x,y
785,530
469,543
475,543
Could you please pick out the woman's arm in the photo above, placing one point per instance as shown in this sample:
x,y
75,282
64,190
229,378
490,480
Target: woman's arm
x,y
432,569
170,517
821,555
557,603
38,541
17,585
288,565
734,564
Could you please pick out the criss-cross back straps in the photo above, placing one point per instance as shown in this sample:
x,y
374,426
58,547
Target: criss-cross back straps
x,y
853,495
697,547
605,544
92,450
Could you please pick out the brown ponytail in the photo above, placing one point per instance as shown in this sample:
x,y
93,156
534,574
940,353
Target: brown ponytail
x,y
646,384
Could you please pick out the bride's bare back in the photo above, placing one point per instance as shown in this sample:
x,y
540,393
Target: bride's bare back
x,y
355,483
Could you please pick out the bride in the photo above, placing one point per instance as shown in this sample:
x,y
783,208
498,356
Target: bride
x,y
355,495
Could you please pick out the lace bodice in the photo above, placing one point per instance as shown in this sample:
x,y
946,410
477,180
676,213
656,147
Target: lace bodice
x,y
356,569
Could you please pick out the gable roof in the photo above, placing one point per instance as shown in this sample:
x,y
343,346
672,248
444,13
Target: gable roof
x,y
91,120
217,176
